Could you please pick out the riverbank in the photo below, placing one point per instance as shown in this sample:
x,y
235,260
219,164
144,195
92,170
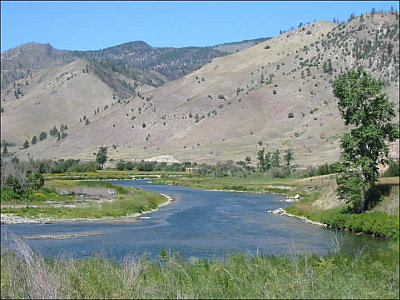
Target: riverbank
x,y
83,201
367,274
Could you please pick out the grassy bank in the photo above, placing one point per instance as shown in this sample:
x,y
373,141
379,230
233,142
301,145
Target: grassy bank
x,y
109,174
254,184
367,274
124,202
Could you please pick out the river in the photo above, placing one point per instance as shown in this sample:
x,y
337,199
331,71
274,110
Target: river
x,y
199,223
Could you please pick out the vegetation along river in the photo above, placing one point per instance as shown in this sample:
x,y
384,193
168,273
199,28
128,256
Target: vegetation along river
x,y
199,223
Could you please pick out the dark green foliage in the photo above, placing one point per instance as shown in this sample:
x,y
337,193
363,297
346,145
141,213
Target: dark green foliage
x,y
34,140
5,149
275,161
42,135
101,156
364,147
376,223
290,115
394,169
26,144
288,157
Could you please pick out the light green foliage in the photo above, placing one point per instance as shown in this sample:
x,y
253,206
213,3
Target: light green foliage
x,y
363,106
372,274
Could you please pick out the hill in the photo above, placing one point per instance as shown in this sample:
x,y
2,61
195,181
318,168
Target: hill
x,y
276,94
136,60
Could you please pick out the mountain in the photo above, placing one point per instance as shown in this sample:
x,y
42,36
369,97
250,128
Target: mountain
x,y
276,94
136,60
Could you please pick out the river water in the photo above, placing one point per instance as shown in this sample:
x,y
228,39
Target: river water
x,y
199,223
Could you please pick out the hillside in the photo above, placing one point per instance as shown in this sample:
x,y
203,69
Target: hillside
x,y
136,60
230,106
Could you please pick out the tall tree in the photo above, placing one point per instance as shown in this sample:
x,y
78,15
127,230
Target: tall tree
x,y
275,159
101,156
288,157
362,105
261,160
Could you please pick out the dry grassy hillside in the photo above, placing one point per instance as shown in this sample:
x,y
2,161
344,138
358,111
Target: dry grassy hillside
x,y
223,110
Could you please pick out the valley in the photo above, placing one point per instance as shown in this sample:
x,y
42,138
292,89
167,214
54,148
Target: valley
x,y
276,94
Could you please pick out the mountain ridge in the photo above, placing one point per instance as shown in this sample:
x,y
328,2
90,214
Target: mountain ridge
x,y
237,104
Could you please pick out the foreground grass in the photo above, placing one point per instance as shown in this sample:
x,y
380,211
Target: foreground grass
x,y
128,201
372,274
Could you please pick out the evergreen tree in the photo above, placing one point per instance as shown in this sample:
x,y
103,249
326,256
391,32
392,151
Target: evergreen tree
x,y
34,140
26,144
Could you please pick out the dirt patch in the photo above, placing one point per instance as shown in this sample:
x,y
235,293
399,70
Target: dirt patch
x,y
89,193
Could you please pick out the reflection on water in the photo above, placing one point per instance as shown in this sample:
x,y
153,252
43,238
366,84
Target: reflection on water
x,y
200,224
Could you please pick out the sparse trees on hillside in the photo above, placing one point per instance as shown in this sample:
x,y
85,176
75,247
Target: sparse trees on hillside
x,y
362,105
42,135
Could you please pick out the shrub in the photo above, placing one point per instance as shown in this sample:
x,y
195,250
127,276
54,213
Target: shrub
x,y
290,115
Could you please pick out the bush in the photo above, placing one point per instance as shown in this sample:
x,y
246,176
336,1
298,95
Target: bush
x,y
290,115
220,96
393,170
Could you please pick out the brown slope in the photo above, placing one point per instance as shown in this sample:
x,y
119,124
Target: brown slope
x,y
52,97
232,131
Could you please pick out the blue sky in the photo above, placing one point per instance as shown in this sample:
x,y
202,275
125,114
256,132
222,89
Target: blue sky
x,y
78,25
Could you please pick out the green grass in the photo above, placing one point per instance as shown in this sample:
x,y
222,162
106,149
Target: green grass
x,y
370,274
255,184
129,201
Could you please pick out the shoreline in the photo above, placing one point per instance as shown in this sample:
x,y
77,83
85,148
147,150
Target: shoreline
x,y
9,219
280,211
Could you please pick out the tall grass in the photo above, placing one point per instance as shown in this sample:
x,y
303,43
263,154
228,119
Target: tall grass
x,y
368,274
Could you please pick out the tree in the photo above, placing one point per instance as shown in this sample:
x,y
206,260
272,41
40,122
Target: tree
x,y
34,140
288,157
101,156
26,144
267,161
42,135
248,159
362,105
261,163
5,149
275,159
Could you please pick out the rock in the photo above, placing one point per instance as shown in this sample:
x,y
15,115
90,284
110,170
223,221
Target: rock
x,y
296,197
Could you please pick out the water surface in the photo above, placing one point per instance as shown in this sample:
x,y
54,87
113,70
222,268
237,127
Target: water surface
x,y
198,224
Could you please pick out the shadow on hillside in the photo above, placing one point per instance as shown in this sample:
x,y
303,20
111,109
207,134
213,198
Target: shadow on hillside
x,y
375,195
